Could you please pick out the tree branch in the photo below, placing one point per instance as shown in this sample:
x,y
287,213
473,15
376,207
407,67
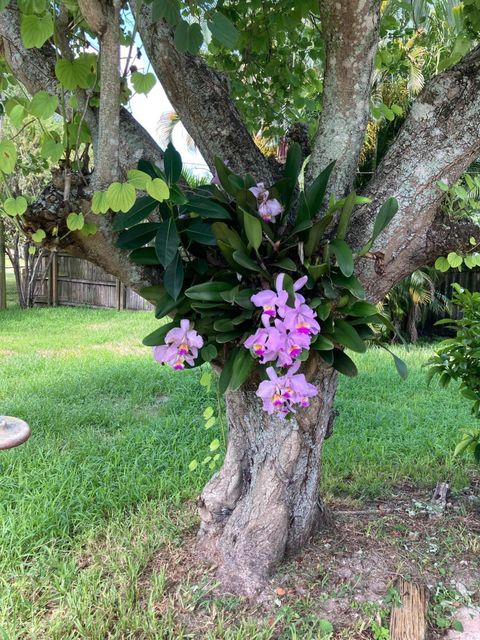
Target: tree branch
x,y
438,141
201,98
104,19
350,31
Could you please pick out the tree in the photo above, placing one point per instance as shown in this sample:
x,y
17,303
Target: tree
x,y
266,66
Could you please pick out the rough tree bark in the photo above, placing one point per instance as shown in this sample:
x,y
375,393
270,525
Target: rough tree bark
x,y
350,31
264,502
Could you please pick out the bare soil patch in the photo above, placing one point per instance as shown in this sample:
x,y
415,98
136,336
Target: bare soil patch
x,y
346,575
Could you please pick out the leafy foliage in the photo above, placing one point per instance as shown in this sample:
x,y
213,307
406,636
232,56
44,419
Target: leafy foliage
x,y
458,358
217,251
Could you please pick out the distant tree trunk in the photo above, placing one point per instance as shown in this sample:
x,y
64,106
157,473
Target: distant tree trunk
x,y
412,322
265,501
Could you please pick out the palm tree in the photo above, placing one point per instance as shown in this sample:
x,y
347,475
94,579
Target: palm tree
x,y
410,297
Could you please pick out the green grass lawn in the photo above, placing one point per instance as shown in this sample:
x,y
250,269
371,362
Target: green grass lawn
x,y
101,483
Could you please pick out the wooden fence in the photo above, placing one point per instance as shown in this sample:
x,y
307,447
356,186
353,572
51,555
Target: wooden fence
x,y
75,282
68,281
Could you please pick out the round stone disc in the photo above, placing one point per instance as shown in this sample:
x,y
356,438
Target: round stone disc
x,y
13,432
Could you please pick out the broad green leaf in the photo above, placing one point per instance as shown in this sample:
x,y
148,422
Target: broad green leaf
x,y
442,264
173,277
346,335
75,73
172,164
43,105
401,367
345,216
201,232
228,236
314,195
17,115
362,309
157,337
227,371
344,256
207,208
158,189
143,82
144,255
322,343
137,236
15,206
253,230
223,30
39,235
100,202
8,156
208,291
242,367
387,211
121,196
168,9
193,465
75,221
35,30
469,261
343,364
53,150
139,179
142,208
286,264
224,174
454,260
188,37
245,261
88,229
166,242
208,353
31,6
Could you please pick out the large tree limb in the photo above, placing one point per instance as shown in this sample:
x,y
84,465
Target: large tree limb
x,y
104,19
438,141
350,30
201,98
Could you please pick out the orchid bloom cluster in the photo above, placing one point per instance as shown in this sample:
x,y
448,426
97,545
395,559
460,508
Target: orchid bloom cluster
x,y
282,342
181,345
287,330
268,208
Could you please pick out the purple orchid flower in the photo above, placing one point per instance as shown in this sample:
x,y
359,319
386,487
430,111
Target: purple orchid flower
x,y
270,209
181,345
302,319
260,193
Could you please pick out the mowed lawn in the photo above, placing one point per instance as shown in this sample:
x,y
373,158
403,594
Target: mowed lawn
x,y
103,481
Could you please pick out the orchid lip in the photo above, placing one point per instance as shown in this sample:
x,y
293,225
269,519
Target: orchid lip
x,y
258,349
302,328
294,351
179,365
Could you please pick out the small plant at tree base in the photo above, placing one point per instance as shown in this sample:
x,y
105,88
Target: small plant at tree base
x,y
458,358
226,249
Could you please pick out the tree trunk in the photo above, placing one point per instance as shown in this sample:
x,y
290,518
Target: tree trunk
x,y
412,322
264,502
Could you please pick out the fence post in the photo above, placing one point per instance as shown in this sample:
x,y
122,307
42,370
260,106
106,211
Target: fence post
x,y
118,293
54,278
123,295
